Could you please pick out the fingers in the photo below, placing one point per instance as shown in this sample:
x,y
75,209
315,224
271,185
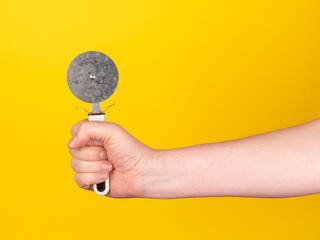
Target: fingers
x,y
89,153
80,166
85,180
75,127
84,131
90,172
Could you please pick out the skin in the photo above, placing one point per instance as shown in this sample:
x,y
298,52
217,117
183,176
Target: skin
x,y
283,163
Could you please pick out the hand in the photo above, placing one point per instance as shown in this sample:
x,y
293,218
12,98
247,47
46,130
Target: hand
x,y
100,149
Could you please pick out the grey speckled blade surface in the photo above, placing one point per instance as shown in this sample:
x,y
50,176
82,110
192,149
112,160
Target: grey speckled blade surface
x,y
105,75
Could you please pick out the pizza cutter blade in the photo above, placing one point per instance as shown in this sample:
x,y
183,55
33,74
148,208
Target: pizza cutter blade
x,y
93,77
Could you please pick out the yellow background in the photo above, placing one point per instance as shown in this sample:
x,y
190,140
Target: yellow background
x,y
190,72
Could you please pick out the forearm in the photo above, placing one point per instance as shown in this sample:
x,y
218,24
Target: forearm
x,y
277,164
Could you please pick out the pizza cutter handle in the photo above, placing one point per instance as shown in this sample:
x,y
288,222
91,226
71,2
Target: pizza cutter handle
x,y
101,189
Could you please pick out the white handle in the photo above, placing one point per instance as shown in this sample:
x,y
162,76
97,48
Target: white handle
x,y
100,188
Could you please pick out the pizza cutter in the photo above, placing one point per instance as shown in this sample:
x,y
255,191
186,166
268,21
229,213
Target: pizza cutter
x,y
93,77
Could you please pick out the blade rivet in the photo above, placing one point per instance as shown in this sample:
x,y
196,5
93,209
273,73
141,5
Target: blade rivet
x,y
92,77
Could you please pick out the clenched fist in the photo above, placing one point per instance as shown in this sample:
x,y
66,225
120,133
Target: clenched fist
x,y
101,150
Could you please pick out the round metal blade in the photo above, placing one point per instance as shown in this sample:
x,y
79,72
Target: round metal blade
x,y
92,77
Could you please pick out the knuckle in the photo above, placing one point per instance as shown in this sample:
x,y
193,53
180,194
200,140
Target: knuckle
x,y
73,164
72,129
71,151
77,179
81,128
76,126
84,127
114,125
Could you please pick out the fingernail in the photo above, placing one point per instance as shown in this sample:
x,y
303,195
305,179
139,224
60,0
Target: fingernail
x,y
103,155
72,142
105,167
102,176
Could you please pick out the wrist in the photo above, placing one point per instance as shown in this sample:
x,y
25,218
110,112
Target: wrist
x,y
167,175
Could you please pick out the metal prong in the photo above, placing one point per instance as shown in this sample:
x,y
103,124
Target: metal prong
x,y
108,107
82,109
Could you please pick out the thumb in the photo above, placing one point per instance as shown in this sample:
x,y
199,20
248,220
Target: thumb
x,y
102,131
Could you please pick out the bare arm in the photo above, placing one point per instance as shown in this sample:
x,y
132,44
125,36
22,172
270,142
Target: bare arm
x,y
282,163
